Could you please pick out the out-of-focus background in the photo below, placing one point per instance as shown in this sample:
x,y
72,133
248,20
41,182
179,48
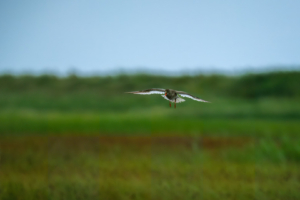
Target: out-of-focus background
x,y
68,130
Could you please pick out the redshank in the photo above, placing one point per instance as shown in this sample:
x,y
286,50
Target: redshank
x,y
169,94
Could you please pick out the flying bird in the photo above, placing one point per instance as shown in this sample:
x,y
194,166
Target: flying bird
x,y
169,94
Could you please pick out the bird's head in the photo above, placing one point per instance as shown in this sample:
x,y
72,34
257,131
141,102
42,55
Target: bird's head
x,y
167,92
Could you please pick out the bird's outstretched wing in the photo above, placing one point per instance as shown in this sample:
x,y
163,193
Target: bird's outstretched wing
x,y
149,91
184,94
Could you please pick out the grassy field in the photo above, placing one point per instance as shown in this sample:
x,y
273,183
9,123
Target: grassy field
x,y
146,167
83,138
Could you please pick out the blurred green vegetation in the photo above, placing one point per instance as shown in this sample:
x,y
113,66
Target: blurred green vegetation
x,y
256,104
85,138
253,95
273,84
145,167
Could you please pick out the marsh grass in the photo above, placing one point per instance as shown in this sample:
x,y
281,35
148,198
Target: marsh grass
x,y
84,138
31,122
143,167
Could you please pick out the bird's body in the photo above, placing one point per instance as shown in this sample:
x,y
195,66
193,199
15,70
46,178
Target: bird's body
x,y
169,94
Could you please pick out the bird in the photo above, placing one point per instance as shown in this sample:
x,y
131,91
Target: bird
x,y
169,94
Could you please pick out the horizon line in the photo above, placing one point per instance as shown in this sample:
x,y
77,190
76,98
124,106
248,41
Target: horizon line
x,y
149,71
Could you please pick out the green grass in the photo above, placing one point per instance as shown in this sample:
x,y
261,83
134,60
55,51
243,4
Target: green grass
x,y
142,167
26,122
84,138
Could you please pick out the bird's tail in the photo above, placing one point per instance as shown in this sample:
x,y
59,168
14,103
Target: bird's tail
x,y
179,100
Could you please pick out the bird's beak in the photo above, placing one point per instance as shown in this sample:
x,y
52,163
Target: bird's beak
x,y
165,94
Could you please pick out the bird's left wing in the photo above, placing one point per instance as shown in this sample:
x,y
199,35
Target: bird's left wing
x,y
184,94
149,91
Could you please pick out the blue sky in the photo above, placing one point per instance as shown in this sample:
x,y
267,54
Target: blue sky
x,y
96,36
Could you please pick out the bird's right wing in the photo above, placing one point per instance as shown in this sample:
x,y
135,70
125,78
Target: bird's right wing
x,y
149,91
184,94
